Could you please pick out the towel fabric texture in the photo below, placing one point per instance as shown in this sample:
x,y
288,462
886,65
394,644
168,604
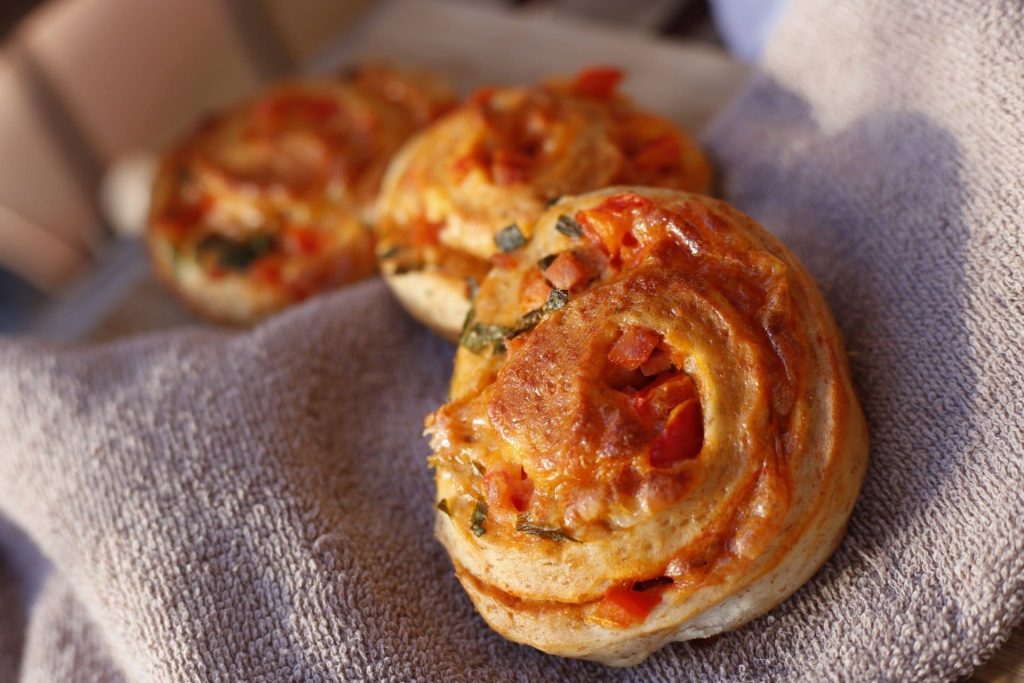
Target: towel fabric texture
x,y
256,506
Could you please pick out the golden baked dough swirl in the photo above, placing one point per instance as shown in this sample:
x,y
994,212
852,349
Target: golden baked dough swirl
x,y
652,434
270,202
471,186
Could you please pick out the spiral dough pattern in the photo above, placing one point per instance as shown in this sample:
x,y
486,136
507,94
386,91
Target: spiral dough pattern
x,y
652,433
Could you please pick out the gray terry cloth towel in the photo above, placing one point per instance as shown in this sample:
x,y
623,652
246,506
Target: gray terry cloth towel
x,y
257,506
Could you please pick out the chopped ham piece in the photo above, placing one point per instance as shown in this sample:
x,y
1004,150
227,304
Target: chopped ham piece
x,y
535,290
566,271
634,347
658,363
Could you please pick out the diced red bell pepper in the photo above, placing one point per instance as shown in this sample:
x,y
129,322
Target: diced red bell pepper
x,y
656,401
658,363
682,438
509,166
599,82
425,234
604,229
508,490
623,606
610,223
318,109
179,219
302,240
634,347
266,270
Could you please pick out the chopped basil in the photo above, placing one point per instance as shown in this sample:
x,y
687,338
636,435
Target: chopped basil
x,y
557,299
568,226
652,583
552,534
478,336
546,261
233,254
261,243
477,521
442,505
509,238
529,320
390,252
470,314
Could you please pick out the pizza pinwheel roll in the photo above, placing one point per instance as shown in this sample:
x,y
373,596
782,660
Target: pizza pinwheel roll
x,y
269,202
468,189
652,434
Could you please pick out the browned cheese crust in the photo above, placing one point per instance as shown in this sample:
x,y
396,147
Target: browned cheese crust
x,y
652,433
497,161
270,202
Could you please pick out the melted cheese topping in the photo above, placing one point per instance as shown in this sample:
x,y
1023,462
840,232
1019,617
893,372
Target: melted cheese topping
x,y
275,195
667,424
499,159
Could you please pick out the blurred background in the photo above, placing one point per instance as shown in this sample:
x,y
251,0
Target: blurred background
x,y
94,87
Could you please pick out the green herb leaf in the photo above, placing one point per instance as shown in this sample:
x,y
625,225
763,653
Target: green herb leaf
x,y
546,261
557,299
468,322
478,336
234,254
529,320
442,505
524,525
390,252
262,243
212,242
568,226
477,521
510,238
652,583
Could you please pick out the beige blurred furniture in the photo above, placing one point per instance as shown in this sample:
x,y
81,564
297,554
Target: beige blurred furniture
x,y
86,82
48,225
